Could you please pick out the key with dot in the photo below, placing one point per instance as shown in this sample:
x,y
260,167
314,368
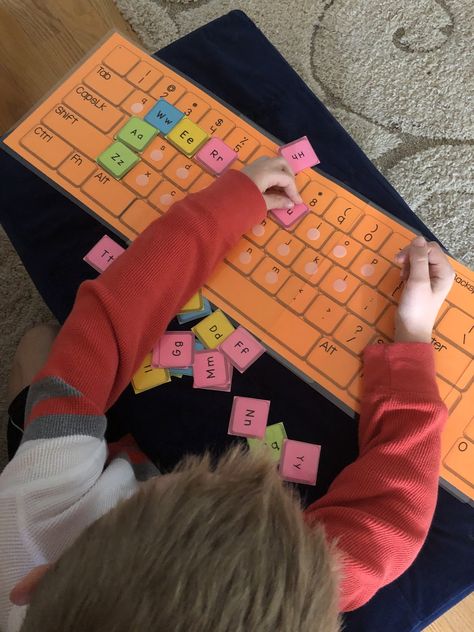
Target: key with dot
x,y
126,137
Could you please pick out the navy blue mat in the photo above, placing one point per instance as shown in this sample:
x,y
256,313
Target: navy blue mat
x,y
233,59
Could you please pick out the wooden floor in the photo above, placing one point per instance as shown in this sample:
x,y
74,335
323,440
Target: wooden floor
x,y
40,40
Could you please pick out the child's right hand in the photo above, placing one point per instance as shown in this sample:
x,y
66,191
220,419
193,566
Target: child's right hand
x,y
429,277
276,182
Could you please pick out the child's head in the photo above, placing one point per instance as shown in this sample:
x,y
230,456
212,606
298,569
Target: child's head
x,y
205,548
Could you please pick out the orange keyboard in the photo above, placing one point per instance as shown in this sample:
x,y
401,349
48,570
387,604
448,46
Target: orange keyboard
x,y
316,294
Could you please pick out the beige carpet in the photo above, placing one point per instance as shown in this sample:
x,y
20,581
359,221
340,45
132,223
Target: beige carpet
x,y
396,73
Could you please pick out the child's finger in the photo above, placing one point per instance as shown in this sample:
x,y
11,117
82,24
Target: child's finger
x,y
277,200
418,256
285,183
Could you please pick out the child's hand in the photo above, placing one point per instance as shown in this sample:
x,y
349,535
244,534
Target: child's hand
x,y
429,277
275,181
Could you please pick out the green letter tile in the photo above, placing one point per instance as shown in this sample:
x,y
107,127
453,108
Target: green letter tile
x,y
117,159
273,439
137,133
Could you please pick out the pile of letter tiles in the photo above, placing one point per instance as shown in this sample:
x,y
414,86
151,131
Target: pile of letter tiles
x,y
209,353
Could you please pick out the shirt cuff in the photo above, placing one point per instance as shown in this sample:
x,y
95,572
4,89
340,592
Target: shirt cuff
x,y
400,366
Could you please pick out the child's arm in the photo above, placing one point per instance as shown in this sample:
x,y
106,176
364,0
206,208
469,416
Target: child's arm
x,y
379,509
56,484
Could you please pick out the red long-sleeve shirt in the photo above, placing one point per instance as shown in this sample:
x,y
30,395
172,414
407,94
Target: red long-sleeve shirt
x,y
378,509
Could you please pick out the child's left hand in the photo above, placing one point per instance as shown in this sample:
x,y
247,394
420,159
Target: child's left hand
x,y
276,182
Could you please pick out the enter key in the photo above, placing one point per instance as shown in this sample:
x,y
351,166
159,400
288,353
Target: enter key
x,y
450,362
458,327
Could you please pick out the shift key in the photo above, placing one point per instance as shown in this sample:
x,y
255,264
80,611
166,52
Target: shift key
x,y
76,131
109,193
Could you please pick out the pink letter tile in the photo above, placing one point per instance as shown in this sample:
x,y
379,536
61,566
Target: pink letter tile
x,y
299,462
175,349
241,349
216,156
103,253
299,154
288,216
248,417
210,369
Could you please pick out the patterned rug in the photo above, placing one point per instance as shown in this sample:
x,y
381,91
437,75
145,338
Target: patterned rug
x,y
396,74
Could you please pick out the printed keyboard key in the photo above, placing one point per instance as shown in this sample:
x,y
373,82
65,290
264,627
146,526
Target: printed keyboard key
x,y
297,294
311,266
393,245
270,275
368,304
216,124
192,106
93,108
339,284
142,179
107,192
242,142
159,153
450,363
167,89
314,231
108,85
165,195
46,146
371,232
334,362
391,285
182,171
459,460
121,60
458,327
139,216
261,233
341,249
144,76
325,314
284,247
317,197
342,214
75,130
245,256
354,334
370,267
77,168
138,103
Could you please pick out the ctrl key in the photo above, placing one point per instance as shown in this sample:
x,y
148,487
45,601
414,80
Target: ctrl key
x,y
46,146
299,462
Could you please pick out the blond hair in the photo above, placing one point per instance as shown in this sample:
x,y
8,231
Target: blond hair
x,y
220,548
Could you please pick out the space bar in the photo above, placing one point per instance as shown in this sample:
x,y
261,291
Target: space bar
x,y
263,310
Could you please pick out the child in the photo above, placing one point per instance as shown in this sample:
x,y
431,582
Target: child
x,y
91,548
